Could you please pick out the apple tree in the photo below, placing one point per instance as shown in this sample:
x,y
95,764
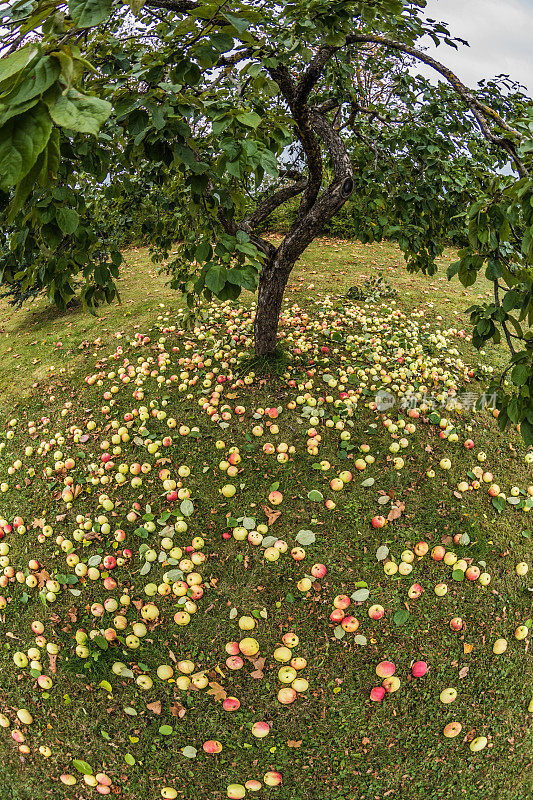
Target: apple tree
x,y
234,109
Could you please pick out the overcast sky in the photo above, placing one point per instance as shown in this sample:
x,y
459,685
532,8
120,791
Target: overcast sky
x,y
499,33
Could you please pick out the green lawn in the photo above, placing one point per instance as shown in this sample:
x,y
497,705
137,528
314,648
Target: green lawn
x,y
29,336
316,416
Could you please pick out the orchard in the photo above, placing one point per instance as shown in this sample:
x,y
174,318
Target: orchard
x,y
215,584
264,538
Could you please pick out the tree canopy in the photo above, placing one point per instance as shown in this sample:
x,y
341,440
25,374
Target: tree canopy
x,y
236,108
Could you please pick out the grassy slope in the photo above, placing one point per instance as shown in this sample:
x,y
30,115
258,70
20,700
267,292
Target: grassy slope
x,y
349,747
29,336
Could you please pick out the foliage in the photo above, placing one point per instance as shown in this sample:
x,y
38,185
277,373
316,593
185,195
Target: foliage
x,y
255,106
373,289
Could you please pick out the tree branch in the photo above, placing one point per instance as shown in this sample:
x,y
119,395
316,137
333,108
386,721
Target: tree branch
x,y
313,73
504,326
479,110
179,6
326,206
306,135
269,204
231,227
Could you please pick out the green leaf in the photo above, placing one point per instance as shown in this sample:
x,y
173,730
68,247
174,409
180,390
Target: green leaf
x,y
526,429
67,219
511,300
22,139
458,575
79,112
215,278
305,537
499,502
166,730
105,685
382,552
35,82
15,63
189,752
128,758
401,617
339,632
187,508
249,118
25,187
87,13
520,374
238,23
315,495
82,766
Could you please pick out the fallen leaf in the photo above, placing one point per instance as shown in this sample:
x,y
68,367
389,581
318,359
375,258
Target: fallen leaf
x,y
292,743
259,663
467,648
217,691
177,710
271,515
42,577
52,657
155,707
38,523
464,671
394,513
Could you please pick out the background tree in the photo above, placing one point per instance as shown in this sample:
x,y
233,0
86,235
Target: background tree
x,y
207,97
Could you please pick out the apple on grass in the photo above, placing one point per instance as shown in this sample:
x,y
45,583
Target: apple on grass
x,y
419,669
235,791
260,729
452,730
385,669
448,695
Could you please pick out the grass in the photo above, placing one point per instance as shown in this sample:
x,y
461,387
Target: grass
x,y
38,340
333,741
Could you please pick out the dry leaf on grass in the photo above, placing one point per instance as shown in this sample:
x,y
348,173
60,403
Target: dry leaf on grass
x,y
155,707
42,577
177,710
271,515
217,691
292,743
258,663
463,672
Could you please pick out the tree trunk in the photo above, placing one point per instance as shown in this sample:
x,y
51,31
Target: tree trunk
x,y
272,283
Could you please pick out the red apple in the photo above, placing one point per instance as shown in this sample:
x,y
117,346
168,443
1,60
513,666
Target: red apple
x,y
419,669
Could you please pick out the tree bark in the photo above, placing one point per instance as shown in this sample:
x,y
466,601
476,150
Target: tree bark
x,y
272,283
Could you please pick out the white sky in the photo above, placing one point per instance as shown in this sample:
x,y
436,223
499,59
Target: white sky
x,y
499,33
